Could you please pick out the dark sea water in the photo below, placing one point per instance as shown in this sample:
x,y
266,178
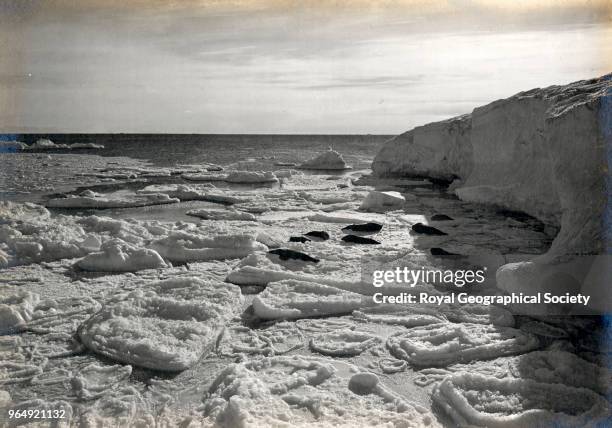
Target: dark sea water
x,y
170,150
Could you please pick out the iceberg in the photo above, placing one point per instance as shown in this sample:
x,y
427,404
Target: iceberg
x,y
543,152
330,160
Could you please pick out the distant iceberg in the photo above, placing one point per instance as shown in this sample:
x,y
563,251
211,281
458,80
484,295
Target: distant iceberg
x,y
330,159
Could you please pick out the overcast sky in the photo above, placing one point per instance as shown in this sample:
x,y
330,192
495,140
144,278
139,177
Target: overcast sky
x,y
274,67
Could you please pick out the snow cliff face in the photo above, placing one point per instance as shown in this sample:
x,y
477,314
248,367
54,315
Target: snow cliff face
x,y
542,152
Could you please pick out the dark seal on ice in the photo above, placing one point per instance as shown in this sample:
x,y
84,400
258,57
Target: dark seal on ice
x,y
441,217
298,239
365,227
354,239
286,254
427,230
441,252
320,234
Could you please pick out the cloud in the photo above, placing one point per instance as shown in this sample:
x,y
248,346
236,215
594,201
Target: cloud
x,y
275,66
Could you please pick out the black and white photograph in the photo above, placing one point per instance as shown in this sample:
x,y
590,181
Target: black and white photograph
x,y
318,213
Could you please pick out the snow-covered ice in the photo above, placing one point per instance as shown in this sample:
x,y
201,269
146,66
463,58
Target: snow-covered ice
x,y
89,199
166,326
382,201
119,256
300,392
226,214
290,299
444,344
184,247
483,401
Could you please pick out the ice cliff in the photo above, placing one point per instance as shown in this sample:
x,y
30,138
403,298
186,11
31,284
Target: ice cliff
x,y
543,152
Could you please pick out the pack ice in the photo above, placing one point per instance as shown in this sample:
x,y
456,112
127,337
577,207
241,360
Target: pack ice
x,y
300,391
166,326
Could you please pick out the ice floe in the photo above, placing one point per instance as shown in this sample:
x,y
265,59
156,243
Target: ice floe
x,y
276,339
483,401
251,177
16,308
382,201
226,214
90,199
94,381
444,344
300,392
290,299
235,177
185,247
119,256
166,326
343,343
179,191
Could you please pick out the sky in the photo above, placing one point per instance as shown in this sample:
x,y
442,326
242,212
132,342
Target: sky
x,y
280,66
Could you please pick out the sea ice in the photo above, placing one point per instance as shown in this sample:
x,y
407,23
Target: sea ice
x,y
119,256
343,343
94,381
185,247
166,326
276,339
16,309
483,401
394,315
561,367
251,177
254,275
382,201
444,344
89,199
306,392
179,191
226,214
290,299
